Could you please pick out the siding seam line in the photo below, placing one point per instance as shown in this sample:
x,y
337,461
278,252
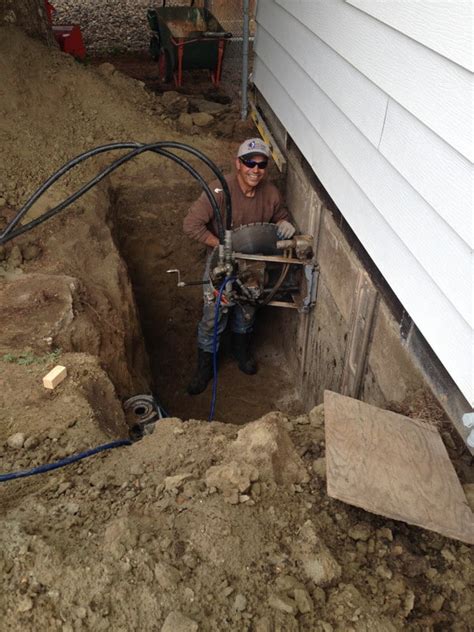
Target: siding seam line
x,y
383,124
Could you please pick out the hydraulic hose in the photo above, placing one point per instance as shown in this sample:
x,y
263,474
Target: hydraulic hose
x,y
280,281
137,148
217,172
40,469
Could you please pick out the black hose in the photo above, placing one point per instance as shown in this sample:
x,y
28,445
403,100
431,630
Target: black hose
x,y
8,233
217,172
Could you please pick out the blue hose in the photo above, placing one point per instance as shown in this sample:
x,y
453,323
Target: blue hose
x,y
214,346
40,469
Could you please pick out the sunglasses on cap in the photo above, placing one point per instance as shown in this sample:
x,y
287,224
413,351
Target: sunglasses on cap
x,y
253,163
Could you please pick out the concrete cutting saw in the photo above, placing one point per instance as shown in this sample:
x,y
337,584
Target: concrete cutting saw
x,y
263,270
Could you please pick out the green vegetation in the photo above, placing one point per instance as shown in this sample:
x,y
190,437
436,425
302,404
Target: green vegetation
x,y
28,357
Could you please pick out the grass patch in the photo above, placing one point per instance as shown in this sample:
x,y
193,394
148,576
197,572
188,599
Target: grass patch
x,y
28,357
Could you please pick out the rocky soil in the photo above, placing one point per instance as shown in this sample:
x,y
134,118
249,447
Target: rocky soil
x,y
107,26
199,526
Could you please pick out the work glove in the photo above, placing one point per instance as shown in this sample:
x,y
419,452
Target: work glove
x,y
285,230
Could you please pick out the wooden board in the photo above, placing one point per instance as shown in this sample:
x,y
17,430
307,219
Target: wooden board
x,y
394,466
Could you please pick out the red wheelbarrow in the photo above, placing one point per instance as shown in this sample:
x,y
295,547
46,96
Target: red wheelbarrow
x,y
186,38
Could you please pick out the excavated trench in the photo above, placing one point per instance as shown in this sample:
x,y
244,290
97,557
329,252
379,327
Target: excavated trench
x,y
149,210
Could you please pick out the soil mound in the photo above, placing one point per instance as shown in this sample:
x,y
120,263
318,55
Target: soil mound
x,y
199,526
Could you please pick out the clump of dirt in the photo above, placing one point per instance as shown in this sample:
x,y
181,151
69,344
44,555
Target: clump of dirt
x,y
199,526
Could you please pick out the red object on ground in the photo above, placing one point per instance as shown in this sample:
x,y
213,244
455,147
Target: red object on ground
x,y
50,11
69,38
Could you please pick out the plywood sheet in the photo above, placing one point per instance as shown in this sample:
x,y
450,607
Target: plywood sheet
x,y
394,466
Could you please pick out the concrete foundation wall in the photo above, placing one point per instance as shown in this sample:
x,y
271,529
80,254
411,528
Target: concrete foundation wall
x,y
357,340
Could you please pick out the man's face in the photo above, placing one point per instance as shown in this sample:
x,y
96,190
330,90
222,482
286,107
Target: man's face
x,y
251,175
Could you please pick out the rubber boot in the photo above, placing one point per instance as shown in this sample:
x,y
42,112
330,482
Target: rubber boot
x,y
203,374
241,352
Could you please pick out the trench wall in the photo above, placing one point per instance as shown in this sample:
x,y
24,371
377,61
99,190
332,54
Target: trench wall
x,y
358,340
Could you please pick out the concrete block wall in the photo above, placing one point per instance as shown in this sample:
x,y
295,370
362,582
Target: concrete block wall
x,y
357,340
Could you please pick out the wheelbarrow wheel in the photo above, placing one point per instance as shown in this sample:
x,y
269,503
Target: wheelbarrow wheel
x,y
164,66
155,47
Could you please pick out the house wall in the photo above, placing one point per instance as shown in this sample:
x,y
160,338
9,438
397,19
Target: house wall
x,y
377,97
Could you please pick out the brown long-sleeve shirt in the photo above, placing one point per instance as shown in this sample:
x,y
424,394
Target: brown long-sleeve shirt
x,y
265,206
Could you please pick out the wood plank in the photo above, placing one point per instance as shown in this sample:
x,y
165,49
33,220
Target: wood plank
x,y
425,83
445,27
444,255
361,100
445,330
394,466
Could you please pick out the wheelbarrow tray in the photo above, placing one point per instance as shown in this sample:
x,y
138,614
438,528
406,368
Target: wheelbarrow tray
x,y
192,34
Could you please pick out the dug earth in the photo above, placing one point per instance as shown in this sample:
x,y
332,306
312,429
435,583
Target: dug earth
x,y
198,526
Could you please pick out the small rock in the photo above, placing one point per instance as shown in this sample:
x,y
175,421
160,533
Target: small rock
x,y
185,122
31,251
302,420
282,603
396,586
227,591
31,443
177,622
2,202
16,258
384,534
437,603
211,107
384,572
240,602
72,508
106,69
408,603
360,531
319,468
264,624
80,612
303,600
202,119
174,103
25,605
316,416
16,441
316,559
137,469
448,556
175,482
231,478
167,576
287,583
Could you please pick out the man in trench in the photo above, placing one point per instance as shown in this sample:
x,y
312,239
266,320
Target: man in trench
x,y
254,199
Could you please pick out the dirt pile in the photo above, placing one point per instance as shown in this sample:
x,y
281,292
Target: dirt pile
x,y
199,526
206,527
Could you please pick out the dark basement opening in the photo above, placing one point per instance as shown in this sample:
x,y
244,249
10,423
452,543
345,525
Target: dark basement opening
x,y
149,209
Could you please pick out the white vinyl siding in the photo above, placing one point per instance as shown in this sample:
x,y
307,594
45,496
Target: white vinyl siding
x,y
358,98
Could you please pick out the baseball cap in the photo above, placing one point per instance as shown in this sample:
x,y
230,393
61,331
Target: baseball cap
x,y
252,147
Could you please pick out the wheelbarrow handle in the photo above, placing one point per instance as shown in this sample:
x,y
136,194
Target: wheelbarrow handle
x,y
226,35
